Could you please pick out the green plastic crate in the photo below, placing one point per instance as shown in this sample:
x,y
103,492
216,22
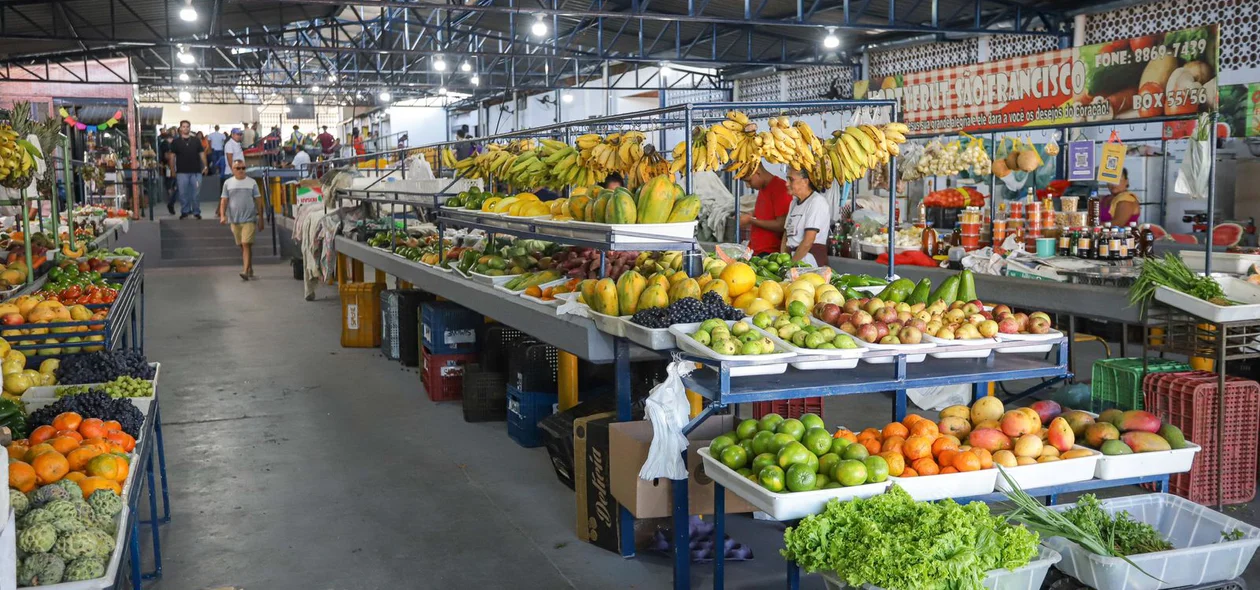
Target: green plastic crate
x,y
1117,383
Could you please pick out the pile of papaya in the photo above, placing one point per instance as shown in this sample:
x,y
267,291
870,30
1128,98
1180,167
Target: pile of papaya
x,y
660,200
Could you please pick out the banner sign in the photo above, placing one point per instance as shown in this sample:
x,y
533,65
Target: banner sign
x,y
1080,160
309,196
1166,74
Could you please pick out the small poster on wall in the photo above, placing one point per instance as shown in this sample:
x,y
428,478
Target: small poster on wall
x,y
1080,160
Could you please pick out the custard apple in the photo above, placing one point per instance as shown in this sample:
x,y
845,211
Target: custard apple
x,y
41,569
47,494
34,517
37,539
69,525
71,486
76,545
19,502
85,568
62,509
85,511
104,541
103,522
106,502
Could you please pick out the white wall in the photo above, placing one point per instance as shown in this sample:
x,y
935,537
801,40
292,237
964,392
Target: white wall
x,y
424,125
224,115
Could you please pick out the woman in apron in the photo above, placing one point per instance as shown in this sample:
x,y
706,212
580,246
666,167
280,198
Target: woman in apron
x,y
808,219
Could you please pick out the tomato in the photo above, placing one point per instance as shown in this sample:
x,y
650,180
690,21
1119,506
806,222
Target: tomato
x,y
72,292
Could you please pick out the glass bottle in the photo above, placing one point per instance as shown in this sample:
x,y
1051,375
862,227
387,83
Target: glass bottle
x,y
1065,243
1147,247
1085,243
1094,208
1134,236
1113,244
1074,238
928,241
1102,246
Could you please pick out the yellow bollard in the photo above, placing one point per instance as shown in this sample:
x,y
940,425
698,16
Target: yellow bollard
x,y
992,389
276,192
697,403
380,277
567,380
356,271
342,272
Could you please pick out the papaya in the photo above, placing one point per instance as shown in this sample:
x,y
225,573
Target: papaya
x,y
686,209
659,279
577,206
629,287
605,297
720,287
621,208
601,207
684,289
654,296
656,200
675,278
587,289
589,213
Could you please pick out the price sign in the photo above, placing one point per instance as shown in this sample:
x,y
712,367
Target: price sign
x,y
1080,160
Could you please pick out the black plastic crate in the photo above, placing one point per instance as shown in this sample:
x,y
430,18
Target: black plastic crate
x,y
485,394
400,324
557,433
532,366
496,346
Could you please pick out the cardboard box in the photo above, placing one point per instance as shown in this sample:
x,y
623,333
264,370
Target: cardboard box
x,y
629,443
598,513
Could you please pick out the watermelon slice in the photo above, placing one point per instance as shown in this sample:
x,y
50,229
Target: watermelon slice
x,y
1227,234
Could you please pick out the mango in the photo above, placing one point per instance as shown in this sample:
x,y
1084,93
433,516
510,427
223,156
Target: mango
x,y
1115,447
1075,453
1047,459
1047,410
1048,451
986,424
1016,424
1173,435
989,439
1028,446
1005,459
1032,415
1109,415
956,411
1025,461
956,426
1138,420
1145,442
1060,435
1078,420
1100,432
986,408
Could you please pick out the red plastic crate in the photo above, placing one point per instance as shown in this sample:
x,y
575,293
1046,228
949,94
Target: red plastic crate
x,y
1189,401
792,408
443,374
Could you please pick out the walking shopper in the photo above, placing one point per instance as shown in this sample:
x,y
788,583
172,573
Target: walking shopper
x,y
217,140
188,158
168,171
241,206
232,150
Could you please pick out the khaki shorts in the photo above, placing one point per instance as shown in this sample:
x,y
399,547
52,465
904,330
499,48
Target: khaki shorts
x,y
244,232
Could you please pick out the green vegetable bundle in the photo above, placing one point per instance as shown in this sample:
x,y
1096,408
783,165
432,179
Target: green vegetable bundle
x,y
1173,273
892,541
1126,536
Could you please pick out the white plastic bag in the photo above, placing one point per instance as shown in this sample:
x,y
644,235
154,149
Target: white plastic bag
x,y
1192,176
669,412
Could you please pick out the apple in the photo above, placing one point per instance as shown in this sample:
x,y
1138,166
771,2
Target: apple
x,y
904,316
919,325
975,319
1037,325
889,339
829,313
956,305
1008,325
988,328
1022,319
867,333
903,306
881,328
894,329
873,306
852,305
848,328
987,314
1000,309
842,318
861,318
886,315
972,308
12,319
910,335
1039,314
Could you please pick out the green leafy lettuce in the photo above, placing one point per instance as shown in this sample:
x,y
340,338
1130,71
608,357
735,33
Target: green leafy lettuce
x,y
892,541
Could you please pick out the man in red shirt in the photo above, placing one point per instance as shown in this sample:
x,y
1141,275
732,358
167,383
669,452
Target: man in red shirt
x,y
773,202
327,143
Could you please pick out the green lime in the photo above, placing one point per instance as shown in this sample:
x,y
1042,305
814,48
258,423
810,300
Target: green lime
x,y
797,309
812,420
828,462
770,422
778,441
761,442
800,478
772,267
746,429
793,427
838,445
793,453
821,480
771,478
832,485
763,461
812,461
734,457
876,469
854,453
748,447
720,443
817,440
850,473
744,471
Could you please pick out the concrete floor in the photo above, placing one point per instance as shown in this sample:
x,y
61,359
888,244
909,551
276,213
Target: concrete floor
x,y
297,464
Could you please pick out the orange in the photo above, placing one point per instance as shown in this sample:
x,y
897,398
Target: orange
x,y
36,451
122,439
910,419
42,434
50,467
70,433
926,466
17,450
105,466
91,484
892,444
21,476
948,469
967,461
123,467
909,472
986,459
946,457
92,428
112,425
98,443
63,444
67,421
917,447
944,443
872,446
925,428
75,476
870,432
896,429
896,463
846,434
79,457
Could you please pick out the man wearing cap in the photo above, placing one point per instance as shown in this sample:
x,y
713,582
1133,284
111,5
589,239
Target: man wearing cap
x,y
233,149
770,211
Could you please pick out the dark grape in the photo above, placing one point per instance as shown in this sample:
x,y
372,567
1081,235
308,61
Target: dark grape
x,y
93,404
103,366
687,311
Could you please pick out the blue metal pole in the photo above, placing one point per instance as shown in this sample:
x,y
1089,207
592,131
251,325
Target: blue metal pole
x,y
719,535
621,366
137,578
682,534
154,521
793,576
161,453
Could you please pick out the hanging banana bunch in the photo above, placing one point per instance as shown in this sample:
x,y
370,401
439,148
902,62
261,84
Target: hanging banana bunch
x,y
745,156
853,151
17,159
448,158
566,166
699,152
651,165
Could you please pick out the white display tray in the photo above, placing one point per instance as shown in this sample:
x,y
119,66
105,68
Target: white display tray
x,y
1221,261
643,232
839,358
610,324
949,485
521,292
649,338
491,280
1235,289
767,364
1039,342
1144,464
554,302
1040,475
783,505
47,394
8,549
986,346
918,350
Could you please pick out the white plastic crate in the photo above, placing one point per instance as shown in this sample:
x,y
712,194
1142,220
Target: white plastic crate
x,y
783,505
1029,577
1201,556
1144,464
1040,475
767,364
926,488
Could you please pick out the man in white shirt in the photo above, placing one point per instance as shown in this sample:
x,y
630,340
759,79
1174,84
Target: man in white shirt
x,y
217,139
232,149
301,160
249,135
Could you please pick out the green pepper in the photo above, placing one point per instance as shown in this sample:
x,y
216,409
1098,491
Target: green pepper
x,y
921,292
851,293
897,291
946,292
11,415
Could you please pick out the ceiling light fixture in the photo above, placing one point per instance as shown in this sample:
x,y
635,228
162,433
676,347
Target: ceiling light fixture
x,y
465,67
315,88
183,76
665,69
332,77
442,90
831,41
185,57
439,63
539,28
184,107
299,100
188,13
358,96
185,96
475,80
566,97
385,96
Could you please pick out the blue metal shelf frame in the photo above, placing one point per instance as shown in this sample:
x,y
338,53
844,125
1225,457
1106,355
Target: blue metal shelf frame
x,y
532,230
151,440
